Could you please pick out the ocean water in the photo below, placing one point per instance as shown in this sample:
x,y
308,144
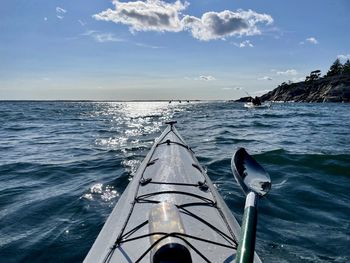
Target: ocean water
x,y
63,166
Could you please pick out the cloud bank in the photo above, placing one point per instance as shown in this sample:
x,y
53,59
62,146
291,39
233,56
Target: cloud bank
x,y
160,16
151,15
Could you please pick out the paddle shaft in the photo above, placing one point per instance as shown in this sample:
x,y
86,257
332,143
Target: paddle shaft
x,y
246,246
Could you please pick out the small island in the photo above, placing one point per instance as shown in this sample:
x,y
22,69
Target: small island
x,y
332,87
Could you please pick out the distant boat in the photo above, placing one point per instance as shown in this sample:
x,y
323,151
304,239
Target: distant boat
x,y
251,105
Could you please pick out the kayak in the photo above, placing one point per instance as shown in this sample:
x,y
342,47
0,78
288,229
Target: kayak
x,y
251,105
169,211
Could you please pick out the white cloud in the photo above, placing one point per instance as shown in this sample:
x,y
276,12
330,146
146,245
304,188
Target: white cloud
x,y
106,37
147,46
260,92
243,44
89,33
110,37
149,15
213,25
298,79
102,37
60,12
310,40
45,18
206,78
160,16
265,78
288,72
201,77
344,57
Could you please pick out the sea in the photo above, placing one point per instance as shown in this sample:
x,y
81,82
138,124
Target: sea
x,y
65,164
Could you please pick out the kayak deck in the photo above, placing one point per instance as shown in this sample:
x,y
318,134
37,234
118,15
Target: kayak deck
x,y
169,173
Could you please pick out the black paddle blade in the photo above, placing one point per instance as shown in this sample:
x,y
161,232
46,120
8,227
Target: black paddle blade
x,y
249,174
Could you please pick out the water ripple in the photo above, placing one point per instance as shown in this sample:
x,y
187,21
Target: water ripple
x,y
64,165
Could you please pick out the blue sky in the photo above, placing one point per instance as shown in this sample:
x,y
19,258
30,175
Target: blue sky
x,y
122,50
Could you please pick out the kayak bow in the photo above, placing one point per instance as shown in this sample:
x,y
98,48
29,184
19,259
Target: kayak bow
x,y
169,211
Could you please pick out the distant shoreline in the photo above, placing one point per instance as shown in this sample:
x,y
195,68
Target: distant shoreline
x,y
105,100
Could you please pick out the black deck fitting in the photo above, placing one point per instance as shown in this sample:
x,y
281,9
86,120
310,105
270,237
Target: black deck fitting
x,y
171,123
203,186
145,181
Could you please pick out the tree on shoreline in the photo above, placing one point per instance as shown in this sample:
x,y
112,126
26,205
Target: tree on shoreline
x,y
346,68
335,69
314,75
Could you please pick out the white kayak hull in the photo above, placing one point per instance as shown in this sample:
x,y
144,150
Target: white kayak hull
x,y
169,173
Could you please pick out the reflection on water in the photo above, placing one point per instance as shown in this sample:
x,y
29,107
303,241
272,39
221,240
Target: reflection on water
x,y
107,193
145,109
128,121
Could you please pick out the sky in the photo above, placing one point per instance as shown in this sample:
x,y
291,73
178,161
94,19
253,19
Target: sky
x,y
153,49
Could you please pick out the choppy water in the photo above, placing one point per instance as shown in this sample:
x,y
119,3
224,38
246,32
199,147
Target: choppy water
x,y
63,166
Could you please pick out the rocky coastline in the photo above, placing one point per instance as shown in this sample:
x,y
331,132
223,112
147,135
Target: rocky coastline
x,y
333,87
328,89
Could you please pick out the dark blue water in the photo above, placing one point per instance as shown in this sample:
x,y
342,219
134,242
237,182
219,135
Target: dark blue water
x,y
63,166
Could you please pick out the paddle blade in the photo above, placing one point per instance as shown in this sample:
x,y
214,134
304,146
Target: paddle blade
x,y
249,174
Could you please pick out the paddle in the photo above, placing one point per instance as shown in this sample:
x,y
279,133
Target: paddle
x,y
256,183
